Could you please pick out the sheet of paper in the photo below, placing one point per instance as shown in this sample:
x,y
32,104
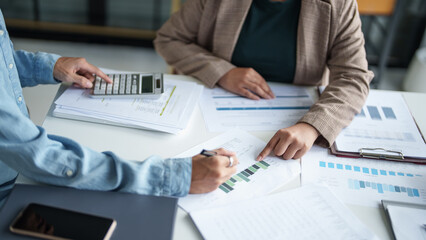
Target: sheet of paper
x,y
252,179
363,181
310,212
170,113
385,122
224,111
407,223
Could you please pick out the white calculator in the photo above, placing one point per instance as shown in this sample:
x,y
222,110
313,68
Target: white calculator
x,y
129,85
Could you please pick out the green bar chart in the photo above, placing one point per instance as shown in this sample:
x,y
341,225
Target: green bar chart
x,y
243,176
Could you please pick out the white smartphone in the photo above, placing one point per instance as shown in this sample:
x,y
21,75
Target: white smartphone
x,y
48,222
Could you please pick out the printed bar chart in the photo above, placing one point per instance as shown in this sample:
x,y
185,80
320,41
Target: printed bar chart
x,y
243,176
374,112
365,182
366,170
361,114
382,188
389,114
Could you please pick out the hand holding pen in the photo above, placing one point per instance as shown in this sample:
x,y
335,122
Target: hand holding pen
x,y
212,168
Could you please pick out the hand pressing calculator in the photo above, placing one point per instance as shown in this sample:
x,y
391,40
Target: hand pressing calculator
x,y
129,85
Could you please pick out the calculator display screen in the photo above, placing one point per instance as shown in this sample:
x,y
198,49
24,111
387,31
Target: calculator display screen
x,y
147,84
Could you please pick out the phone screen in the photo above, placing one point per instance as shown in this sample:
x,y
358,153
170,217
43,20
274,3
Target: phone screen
x,y
56,223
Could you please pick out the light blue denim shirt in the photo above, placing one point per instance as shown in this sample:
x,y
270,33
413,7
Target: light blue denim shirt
x,y
27,149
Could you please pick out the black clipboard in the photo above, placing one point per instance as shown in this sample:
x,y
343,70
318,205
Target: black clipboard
x,y
377,153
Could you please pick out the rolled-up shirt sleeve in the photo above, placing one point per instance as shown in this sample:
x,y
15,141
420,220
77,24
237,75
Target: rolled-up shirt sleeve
x,y
35,68
27,149
56,160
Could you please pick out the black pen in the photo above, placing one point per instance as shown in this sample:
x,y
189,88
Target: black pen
x,y
208,153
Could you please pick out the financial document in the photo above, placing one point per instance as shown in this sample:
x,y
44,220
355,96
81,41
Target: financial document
x,y
252,178
169,113
408,223
363,181
310,212
384,122
224,111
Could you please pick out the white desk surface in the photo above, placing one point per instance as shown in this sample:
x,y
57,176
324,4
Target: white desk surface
x,y
135,144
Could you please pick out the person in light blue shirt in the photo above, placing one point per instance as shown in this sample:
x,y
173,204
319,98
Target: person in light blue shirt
x,y
27,149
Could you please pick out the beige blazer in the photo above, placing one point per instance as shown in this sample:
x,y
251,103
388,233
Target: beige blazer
x,y
199,41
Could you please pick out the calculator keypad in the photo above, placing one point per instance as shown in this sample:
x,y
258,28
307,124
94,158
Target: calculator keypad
x,y
127,84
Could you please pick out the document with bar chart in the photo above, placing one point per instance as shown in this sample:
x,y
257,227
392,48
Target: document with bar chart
x,y
252,178
309,212
363,181
224,111
384,122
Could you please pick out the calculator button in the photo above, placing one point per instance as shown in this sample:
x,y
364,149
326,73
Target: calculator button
x,y
102,90
109,89
116,84
128,85
98,82
122,86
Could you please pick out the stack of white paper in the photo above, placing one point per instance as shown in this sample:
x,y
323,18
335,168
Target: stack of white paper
x,y
310,212
169,113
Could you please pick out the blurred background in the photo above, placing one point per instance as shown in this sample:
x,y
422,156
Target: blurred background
x,y
118,34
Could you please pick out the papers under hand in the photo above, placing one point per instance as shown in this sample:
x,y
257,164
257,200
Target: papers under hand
x,y
224,111
170,113
310,212
252,179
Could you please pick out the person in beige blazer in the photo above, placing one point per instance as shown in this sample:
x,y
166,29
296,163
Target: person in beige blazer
x,y
199,40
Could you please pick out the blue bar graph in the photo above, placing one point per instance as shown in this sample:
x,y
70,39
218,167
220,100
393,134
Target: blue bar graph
x,y
365,170
382,188
374,113
389,114
361,114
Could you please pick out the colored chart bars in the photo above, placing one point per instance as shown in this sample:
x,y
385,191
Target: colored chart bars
x,y
366,170
388,112
381,188
243,176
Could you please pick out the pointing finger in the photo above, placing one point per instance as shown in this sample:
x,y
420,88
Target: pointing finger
x,y
268,148
92,69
